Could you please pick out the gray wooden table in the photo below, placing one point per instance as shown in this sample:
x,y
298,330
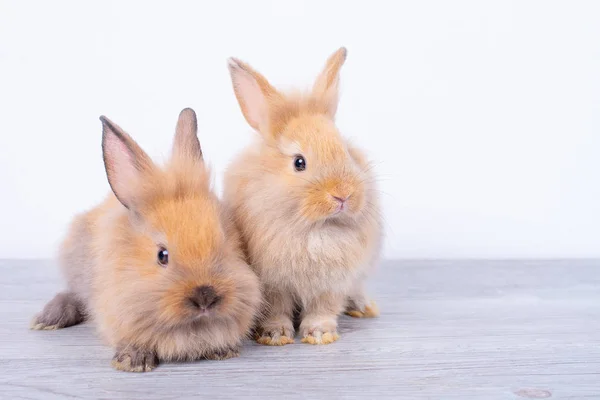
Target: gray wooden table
x,y
448,330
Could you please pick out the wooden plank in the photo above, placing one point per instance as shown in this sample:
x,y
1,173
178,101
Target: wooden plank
x,y
448,330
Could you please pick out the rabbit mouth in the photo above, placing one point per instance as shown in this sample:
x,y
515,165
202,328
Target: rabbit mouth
x,y
341,210
203,314
336,213
199,318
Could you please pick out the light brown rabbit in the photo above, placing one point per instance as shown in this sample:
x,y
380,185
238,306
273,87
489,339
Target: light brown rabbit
x,y
157,266
305,202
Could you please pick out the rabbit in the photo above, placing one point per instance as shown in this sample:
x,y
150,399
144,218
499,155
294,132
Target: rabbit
x,y
158,265
306,205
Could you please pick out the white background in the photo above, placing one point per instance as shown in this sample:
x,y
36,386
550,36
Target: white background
x,y
483,117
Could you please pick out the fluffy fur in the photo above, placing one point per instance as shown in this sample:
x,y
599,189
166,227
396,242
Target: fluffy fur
x,y
310,253
142,308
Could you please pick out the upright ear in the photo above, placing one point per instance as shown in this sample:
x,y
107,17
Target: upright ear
x,y
326,86
186,143
125,162
253,93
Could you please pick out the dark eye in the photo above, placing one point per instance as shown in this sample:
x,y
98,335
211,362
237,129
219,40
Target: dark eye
x,y
299,163
163,256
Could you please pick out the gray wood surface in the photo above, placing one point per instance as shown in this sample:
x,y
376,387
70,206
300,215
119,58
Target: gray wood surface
x,y
448,330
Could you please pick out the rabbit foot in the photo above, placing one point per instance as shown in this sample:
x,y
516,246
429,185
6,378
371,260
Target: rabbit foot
x,y
223,354
276,337
319,330
369,311
62,311
131,359
319,337
40,326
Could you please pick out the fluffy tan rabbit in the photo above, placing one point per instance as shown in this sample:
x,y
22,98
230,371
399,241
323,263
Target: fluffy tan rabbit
x,y
305,202
157,265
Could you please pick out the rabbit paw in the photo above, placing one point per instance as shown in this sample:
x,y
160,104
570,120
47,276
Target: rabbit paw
x,y
319,337
37,325
276,337
323,332
130,359
223,354
62,311
368,311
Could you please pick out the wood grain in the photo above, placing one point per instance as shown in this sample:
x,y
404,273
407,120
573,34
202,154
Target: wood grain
x,y
448,330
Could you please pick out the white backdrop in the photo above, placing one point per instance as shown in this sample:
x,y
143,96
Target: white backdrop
x,y
483,117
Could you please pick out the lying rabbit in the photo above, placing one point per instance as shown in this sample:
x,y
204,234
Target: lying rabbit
x,y
157,266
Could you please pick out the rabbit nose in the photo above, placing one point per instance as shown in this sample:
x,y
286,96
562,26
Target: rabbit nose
x,y
342,200
204,297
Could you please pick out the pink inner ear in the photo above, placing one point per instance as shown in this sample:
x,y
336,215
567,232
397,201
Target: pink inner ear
x,y
252,97
120,168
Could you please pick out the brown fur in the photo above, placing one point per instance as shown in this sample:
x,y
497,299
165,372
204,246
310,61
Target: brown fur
x,y
110,261
306,253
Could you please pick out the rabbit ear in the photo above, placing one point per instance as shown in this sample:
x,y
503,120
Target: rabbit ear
x,y
186,143
326,86
125,162
253,93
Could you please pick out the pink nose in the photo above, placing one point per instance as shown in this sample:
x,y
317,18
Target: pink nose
x,y
341,199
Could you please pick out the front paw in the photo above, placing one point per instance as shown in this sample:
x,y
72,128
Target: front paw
x,y
279,336
368,311
38,324
223,354
62,311
130,359
319,333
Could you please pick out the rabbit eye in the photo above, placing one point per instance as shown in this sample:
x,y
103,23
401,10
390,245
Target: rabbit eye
x,y
299,163
163,256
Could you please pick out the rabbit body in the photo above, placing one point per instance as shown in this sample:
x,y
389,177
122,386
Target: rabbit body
x,y
196,299
305,202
